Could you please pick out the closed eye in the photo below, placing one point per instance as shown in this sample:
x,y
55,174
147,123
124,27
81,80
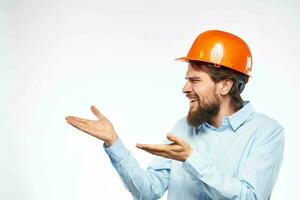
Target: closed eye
x,y
193,79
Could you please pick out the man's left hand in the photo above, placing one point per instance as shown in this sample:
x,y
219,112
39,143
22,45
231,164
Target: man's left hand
x,y
178,150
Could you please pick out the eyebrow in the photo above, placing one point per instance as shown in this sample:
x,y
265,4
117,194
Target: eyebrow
x,y
193,78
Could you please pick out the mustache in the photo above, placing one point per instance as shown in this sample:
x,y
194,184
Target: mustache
x,y
190,96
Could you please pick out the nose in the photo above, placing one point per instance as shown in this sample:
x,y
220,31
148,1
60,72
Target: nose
x,y
187,87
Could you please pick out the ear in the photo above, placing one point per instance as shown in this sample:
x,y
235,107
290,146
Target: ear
x,y
224,86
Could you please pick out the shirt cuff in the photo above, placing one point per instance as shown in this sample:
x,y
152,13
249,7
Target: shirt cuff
x,y
197,165
117,151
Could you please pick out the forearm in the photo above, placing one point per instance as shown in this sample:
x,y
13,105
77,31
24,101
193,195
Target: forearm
x,y
254,181
218,185
143,184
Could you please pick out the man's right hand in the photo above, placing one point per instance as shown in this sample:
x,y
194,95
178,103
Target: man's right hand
x,y
101,128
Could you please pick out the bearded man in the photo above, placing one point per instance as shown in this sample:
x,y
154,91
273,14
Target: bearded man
x,y
223,149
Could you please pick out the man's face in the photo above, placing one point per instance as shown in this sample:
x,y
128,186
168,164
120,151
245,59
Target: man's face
x,y
201,91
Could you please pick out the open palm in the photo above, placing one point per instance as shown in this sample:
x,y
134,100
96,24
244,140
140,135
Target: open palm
x,y
101,128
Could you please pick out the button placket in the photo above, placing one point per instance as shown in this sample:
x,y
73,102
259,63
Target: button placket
x,y
214,145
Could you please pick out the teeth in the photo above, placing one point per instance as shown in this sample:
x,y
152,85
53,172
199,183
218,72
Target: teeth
x,y
192,99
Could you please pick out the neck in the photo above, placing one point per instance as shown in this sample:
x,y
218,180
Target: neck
x,y
225,110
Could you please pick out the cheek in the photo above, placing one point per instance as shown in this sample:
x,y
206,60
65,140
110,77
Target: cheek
x,y
199,90
206,94
204,91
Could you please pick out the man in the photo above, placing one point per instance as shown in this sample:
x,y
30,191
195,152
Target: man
x,y
223,149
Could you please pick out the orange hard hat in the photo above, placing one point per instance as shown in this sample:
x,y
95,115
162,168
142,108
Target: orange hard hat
x,y
221,49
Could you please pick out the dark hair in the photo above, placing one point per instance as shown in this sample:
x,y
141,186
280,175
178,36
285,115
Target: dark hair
x,y
220,73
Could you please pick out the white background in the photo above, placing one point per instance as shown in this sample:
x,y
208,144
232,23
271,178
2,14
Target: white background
x,y
59,57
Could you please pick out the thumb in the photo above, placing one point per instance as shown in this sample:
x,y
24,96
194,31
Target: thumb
x,y
96,112
175,139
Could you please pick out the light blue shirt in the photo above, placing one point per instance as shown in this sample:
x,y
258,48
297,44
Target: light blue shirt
x,y
240,160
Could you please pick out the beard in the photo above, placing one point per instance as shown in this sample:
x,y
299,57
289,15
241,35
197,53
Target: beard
x,y
204,112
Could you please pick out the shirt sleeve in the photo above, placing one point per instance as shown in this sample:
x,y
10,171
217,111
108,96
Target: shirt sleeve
x,y
142,184
255,178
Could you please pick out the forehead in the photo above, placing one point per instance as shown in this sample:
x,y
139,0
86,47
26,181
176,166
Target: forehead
x,y
196,72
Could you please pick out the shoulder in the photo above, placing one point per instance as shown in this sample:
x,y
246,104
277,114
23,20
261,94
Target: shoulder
x,y
266,127
266,121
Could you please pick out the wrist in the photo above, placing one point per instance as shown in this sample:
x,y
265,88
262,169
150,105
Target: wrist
x,y
112,140
190,151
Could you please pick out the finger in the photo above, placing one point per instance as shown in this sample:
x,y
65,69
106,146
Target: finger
x,y
78,124
85,127
176,148
162,154
77,119
175,139
75,123
153,147
161,148
96,112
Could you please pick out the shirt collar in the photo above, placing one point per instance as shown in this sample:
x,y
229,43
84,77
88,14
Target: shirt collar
x,y
239,117
236,119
